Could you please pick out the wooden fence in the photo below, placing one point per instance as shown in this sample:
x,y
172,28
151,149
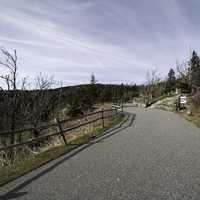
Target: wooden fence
x,y
58,127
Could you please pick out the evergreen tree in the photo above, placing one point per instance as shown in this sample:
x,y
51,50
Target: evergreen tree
x,y
171,81
195,71
93,89
93,79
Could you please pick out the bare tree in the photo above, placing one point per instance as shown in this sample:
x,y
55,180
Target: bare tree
x,y
183,71
19,107
43,101
9,63
184,76
9,101
152,80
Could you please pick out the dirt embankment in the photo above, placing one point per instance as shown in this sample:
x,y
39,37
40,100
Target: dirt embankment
x,y
167,103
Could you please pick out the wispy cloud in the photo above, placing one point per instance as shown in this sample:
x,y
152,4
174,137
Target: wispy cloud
x,y
117,40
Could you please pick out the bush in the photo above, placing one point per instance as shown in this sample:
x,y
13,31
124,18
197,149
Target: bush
x,y
196,100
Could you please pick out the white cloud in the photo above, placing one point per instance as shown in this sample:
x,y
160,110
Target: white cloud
x,y
71,39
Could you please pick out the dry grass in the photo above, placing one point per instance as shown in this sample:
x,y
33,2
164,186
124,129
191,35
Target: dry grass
x,y
192,112
194,118
53,151
20,154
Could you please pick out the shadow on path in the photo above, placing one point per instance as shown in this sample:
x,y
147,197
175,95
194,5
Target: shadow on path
x,y
14,193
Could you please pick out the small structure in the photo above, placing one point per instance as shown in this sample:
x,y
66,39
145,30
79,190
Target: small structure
x,y
183,100
181,103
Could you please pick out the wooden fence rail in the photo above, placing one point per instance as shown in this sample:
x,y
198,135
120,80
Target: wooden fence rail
x,y
60,129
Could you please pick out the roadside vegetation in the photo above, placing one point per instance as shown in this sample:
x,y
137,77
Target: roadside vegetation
x,y
10,172
27,104
194,118
165,93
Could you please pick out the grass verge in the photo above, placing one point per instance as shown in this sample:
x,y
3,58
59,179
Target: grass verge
x,y
195,118
159,99
10,173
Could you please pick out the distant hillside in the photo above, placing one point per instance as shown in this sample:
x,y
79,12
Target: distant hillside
x,y
35,106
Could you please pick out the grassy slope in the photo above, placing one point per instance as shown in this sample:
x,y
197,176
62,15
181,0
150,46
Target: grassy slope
x,y
195,118
10,173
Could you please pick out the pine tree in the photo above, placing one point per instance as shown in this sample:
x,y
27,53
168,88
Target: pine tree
x,y
171,81
93,89
195,71
92,80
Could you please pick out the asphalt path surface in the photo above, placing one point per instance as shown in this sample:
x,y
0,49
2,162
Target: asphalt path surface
x,y
153,155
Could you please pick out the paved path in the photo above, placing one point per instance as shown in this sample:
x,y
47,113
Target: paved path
x,y
155,156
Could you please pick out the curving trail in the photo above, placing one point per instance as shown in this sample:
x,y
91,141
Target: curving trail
x,y
153,155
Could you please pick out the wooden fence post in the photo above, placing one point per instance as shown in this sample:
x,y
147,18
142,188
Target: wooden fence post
x,y
102,117
60,129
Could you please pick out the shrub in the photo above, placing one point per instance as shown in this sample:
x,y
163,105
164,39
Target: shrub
x,y
196,100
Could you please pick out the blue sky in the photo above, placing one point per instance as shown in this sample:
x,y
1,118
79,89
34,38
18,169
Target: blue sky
x,y
117,40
